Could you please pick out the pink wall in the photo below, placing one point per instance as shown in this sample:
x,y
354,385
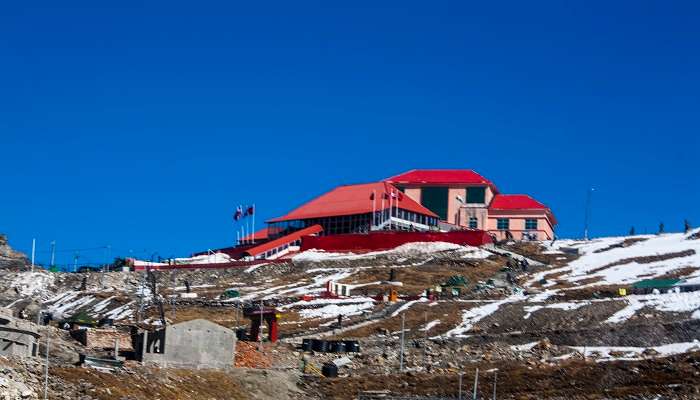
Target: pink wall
x,y
481,214
544,231
453,205
413,193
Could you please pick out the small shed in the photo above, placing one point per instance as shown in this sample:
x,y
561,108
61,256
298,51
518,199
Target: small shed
x,y
198,344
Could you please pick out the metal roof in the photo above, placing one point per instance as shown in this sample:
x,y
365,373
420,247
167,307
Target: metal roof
x,y
354,199
441,177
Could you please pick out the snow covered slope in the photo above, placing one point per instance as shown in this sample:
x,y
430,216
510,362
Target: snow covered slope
x,y
625,260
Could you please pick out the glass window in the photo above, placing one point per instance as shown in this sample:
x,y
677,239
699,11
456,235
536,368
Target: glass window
x,y
435,200
476,195
473,222
531,224
503,224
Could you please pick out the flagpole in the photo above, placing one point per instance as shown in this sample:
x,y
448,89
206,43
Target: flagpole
x,y
391,209
374,208
382,211
253,223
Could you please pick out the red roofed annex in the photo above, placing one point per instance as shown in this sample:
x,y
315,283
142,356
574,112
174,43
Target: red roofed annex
x,y
465,199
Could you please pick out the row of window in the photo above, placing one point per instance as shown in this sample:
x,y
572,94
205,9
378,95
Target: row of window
x,y
503,224
357,223
279,249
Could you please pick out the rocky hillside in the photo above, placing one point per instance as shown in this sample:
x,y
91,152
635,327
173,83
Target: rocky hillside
x,y
549,317
9,258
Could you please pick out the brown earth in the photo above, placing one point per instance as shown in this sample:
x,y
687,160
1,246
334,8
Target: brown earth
x,y
449,314
416,279
625,243
675,377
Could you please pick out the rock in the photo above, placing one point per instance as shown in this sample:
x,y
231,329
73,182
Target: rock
x,y
649,352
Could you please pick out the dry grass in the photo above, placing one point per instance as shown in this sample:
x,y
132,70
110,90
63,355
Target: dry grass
x,y
449,314
155,384
416,279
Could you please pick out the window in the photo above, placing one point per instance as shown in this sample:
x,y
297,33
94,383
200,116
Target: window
x,y
503,224
531,224
476,195
435,200
473,222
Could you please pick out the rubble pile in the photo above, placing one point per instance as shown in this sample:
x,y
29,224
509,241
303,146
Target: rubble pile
x,y
19,379
248,356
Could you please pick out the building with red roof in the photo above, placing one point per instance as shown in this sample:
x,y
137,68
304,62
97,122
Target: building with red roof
x,y
356,209
463,198
522,216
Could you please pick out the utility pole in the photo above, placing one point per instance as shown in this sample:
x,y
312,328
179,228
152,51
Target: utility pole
x,y
476,383
46,371
459,393
589,194
425,342
260,329
53,253
33,252
495,378
403,322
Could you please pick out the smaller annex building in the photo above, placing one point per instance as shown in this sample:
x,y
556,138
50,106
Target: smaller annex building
x,y
199,344
465,199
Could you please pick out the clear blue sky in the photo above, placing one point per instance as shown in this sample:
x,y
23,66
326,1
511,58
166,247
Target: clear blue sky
x,y
143,126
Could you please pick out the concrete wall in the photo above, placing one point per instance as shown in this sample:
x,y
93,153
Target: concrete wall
x,y
17,348
199,344
17,337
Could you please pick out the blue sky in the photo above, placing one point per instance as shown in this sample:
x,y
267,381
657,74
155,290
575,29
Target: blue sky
x,y
143,126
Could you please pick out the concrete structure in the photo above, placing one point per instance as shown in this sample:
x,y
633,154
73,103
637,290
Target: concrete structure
x,y
17,337
198,344
465,199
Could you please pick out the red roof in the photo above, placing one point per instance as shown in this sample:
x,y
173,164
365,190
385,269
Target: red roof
x,y
258,235
441,177
519,202
280,241
350,200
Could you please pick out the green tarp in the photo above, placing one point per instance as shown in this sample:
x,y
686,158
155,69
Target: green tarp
x,y
655,283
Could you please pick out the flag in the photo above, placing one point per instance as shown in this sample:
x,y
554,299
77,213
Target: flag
x,y
250,210
238,214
